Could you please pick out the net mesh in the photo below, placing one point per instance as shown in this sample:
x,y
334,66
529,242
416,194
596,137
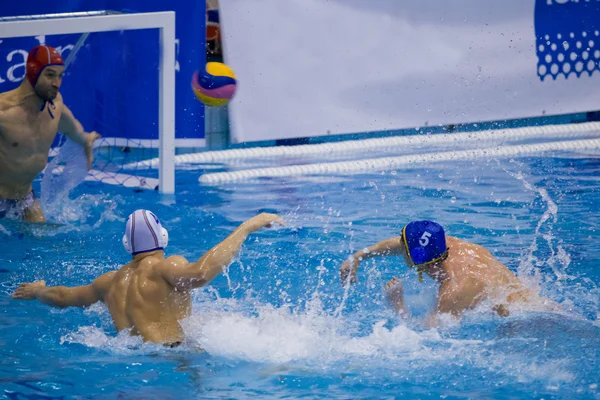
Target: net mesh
x,y
111,86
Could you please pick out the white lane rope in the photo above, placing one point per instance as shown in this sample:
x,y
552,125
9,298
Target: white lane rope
x,y
324,149
386,163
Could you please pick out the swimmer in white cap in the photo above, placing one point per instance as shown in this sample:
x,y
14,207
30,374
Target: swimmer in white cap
x,y
467,273
151,294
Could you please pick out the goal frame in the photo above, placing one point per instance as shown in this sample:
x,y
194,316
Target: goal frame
x,y
105,21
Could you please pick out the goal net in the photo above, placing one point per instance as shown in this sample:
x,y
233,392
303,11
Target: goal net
x,y
119,81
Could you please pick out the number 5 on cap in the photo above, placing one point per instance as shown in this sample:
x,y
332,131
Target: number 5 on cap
x,y
424,240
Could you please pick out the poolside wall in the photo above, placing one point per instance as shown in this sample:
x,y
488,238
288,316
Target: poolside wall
x,y
311,68
313,71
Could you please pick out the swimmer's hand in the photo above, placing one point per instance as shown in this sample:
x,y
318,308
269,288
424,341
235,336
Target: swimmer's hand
x,y
349,269
89,147
264,220
394,292
28,291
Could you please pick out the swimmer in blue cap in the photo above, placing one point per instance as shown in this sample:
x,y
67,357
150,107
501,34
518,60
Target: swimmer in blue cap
x,y
152,293
467,273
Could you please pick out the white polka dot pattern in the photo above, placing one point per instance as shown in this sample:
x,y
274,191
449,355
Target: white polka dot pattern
x,y
569,54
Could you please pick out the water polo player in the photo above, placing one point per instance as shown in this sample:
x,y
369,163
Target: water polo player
x,y
467,273
30,116
151,294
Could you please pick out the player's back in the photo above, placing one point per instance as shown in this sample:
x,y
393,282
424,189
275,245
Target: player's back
x,y
139,298
472,263
475,261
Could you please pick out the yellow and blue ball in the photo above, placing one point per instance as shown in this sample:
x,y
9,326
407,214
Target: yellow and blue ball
x,y
215,86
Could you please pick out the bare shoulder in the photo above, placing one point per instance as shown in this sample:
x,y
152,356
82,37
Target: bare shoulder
x,y
104,280
453,241
175,261
5,100
463,247
166,266
168,262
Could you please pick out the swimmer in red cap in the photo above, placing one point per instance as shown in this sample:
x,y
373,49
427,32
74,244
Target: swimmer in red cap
x,y
467,273
30,117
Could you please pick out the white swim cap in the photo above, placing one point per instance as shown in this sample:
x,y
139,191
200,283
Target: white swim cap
x,y
144,233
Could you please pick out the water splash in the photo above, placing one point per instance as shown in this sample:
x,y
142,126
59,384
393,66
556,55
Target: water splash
x,y
312,340
66,170
559,259
281,335
123,343
315,340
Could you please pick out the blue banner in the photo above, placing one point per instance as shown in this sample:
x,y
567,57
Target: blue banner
x,y
567,37
112,85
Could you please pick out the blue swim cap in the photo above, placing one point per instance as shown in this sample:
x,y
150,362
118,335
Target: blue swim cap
x,y
425,241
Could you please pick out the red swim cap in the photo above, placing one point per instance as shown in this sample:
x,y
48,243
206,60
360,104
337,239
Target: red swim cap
x,y
39,58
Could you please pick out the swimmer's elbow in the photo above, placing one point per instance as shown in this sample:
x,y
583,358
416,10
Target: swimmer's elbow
x,y
54,297
64,297
61,299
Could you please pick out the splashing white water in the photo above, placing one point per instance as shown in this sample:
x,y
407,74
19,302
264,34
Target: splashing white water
x,y
77,215
278,336
122,344
314,340
559,259
67,170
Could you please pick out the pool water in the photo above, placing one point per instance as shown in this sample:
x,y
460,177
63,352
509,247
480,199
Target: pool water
x,y
278,323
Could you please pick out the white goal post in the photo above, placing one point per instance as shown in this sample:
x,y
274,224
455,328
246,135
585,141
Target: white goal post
x,y
103,21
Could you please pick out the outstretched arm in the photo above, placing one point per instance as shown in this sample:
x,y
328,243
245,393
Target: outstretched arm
x,y
194,275
73,129
63,296
387,247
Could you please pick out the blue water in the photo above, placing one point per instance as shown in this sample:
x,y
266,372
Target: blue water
x,y
278,324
